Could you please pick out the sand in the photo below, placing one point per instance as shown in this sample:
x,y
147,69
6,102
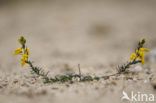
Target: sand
x,y
98,35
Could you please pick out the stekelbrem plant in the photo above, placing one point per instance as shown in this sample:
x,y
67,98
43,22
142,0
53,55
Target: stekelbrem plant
x,y
136,57
24,51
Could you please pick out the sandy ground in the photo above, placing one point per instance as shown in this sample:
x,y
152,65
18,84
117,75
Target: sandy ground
x,y
99,35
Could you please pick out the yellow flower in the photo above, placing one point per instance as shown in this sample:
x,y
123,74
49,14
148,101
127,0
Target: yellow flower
x,y
23,63
22,40
140,54
24,59
27,51
133,56
18,51
145,49
142,59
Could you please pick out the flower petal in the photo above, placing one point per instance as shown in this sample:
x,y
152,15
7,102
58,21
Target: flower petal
x,y
18,51
145,49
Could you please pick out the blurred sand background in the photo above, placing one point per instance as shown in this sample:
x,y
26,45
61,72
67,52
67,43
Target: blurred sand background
x,y
98,34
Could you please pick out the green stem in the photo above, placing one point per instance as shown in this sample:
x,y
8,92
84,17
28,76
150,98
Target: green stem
x,y
124,67
37,70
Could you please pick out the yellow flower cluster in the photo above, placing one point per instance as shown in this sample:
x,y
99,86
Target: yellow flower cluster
x,y
139,53
24,51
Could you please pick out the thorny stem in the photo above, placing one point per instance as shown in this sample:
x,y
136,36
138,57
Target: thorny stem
x,y
41,73
65,78
38,71
131,63
123,68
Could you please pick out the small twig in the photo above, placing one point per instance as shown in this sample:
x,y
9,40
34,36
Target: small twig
x,y
79,71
